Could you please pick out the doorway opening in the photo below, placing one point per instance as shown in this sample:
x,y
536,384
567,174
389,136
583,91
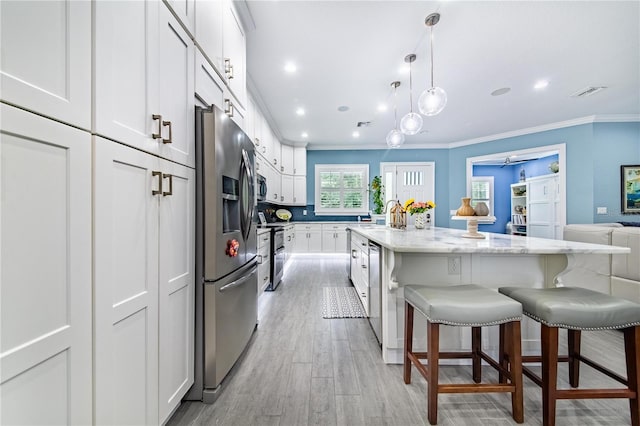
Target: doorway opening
x,y
409,180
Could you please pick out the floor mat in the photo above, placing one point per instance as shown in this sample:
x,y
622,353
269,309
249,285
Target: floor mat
x,y
341,302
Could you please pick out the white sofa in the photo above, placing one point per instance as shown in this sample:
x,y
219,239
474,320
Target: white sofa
x,y
618,275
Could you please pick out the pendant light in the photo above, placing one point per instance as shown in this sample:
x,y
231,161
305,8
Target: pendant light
x,y
433,100
412,122
395,137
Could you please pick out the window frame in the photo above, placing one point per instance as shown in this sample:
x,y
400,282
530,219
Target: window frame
x,y
491,199
342,168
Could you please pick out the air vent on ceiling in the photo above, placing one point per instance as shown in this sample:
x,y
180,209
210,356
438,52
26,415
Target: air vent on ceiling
x,y
364,124
587,91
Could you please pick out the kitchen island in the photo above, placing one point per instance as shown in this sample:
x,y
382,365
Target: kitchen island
x,y
440,256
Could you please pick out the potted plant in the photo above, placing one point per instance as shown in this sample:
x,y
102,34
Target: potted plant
x,y
378,194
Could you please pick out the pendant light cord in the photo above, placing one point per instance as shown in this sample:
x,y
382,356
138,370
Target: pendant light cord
x,y
395,107
431,48
410,89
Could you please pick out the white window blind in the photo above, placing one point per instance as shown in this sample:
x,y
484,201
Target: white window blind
x,y
341,189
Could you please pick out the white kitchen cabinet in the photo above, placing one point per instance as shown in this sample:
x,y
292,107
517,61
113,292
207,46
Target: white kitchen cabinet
x,y
258,124
143,284
308,238
300,161
208,31
46,58
45,296
144,79
300,190
264,260
359,266
209,87
334,238
234,109
235,52
249,119
286,154
185,12
266,142
543,203
273,183
276,158
286,189
289,241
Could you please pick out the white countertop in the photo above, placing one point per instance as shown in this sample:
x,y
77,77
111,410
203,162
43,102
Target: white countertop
x,y
446,240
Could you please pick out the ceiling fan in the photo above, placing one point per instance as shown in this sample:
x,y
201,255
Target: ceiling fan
x,y
509,162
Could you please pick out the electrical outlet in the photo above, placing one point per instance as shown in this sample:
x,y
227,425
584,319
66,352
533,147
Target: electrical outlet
x,y
304,212
454,265
601,210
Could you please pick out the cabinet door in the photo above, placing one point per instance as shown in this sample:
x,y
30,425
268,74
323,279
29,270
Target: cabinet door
x,y
286,152
341,241
234,51
46,58
276,158
126,75
540,210
125,285
176,78
315,241
273,184
209,31
328,241
208,85
234,109
177,285
300,190
300,161
286,189
45,296
185,11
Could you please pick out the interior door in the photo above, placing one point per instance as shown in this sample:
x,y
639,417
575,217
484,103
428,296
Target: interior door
x,y
409,180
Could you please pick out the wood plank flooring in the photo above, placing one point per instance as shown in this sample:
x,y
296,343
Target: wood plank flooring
x,y
301,369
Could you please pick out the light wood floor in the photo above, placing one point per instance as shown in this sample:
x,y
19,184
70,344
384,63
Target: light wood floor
x,y
301,369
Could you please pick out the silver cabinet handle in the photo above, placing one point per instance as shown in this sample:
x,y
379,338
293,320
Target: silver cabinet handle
x,y
257,141
282,198
260,259
228,108
354,254
167,124
364,266
228,68
159,191
282,168
170,191
159,118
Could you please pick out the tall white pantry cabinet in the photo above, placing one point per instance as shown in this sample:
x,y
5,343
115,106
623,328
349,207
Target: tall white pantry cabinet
x,y
98,198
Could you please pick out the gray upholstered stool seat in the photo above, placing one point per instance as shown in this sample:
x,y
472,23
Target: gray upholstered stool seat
x,y
463,305
578,309
476,307
575,308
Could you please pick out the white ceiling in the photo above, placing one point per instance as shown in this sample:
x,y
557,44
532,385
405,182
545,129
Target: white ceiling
x,y
348,53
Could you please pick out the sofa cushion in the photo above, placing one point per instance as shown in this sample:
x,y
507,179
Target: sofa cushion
x,y
626,265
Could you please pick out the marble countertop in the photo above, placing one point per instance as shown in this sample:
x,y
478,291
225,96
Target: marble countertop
x,y
446,240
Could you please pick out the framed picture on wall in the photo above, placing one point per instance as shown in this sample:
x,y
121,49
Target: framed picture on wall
x,y
630,188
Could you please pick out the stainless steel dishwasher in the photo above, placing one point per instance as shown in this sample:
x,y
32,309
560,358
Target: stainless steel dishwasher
x,y
375,293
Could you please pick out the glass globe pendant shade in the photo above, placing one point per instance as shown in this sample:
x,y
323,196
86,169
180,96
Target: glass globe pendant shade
x,y
395,138
432,101
411,123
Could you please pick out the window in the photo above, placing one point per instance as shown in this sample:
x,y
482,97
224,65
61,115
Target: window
x,y
341,189
482,190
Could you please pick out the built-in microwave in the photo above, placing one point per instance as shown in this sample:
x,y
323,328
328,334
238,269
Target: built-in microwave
x,y
261,187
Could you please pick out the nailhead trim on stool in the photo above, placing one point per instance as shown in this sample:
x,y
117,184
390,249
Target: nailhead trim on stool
x,y
578,309
457,306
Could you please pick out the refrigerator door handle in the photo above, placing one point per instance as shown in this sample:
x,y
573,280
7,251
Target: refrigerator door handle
x,y
240,281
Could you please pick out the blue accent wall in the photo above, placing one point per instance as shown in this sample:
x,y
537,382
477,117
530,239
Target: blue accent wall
x,y
594,153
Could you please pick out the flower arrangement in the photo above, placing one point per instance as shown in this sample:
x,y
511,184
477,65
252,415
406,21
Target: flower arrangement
x,y
412,206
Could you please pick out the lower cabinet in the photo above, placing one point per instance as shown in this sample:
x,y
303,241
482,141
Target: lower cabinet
x,y
289,242
264,261
334,238
45,294
308,238
143,284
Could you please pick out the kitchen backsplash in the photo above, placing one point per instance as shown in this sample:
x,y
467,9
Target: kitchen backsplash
x,y
297,214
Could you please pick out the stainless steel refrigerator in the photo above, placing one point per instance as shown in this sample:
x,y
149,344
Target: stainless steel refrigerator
x,y
226,248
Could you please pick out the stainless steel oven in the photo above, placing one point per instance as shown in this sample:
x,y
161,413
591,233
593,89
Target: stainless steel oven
x,y
277,256
261,187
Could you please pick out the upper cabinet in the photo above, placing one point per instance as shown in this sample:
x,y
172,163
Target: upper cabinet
x,y
185,11
300,161
286,154
46,61
208,31
144,79
235,53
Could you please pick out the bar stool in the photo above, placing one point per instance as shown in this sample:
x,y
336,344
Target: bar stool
x,y
471,306
577,309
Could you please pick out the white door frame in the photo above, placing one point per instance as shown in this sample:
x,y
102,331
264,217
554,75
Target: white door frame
x,y
432,164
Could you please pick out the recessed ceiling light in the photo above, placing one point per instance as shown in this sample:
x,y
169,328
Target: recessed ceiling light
x,y
355,134
343,108
300,111
290,67
382,107
541,84
501,91
304,135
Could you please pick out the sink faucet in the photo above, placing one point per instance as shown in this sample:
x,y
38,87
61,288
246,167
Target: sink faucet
x,y
384,210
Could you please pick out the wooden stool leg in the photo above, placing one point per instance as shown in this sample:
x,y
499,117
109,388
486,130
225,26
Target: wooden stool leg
x,y
503,349
408,340
433,355
515,360
549,342
476,346
574,357
632,355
